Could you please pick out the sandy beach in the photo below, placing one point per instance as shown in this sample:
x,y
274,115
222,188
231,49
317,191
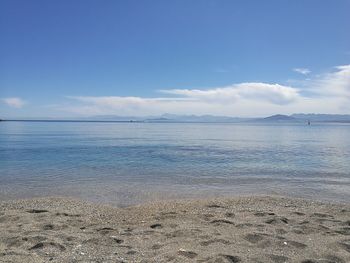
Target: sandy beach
x,y
246,229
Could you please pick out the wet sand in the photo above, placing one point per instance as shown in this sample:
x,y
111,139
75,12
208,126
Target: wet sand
x,y
246,229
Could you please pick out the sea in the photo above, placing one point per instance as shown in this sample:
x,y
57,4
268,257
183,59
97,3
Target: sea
x,y
129,163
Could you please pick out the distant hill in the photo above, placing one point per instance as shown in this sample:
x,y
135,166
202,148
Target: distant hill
x,y
168,118
322,117
200,118
116,118
302,117
160,119
279,117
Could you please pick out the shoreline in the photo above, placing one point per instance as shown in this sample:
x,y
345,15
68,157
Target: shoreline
x,y
238,229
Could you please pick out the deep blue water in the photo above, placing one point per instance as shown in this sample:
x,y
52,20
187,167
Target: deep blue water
x,y
127,163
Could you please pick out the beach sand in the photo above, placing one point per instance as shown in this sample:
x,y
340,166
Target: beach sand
x,y
245,229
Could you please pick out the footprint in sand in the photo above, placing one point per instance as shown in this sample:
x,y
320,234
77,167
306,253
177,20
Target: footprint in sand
x,y
298,213
262,214
54,227
294,244
66,214
222,258
127,232
232,259
229,214
49,245
332,258
277,220
117,240
105,230
259,240
306,230
18,241
345,244
281,231
321,215
215,206
254,238
157,246
343,231
187,254
105,241
48,227
154,226
222,221
327,259
346,223
212,241
207,217
244,225
278,258
37,211
14,241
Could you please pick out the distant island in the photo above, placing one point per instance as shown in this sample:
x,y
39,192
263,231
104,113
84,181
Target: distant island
x,y
300,117
173,118
279,117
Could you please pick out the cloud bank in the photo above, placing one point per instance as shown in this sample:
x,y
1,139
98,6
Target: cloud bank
x,y
328,92
222,100
334,84
272,93
325,93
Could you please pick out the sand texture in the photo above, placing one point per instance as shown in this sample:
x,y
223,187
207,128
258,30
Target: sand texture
x,y
246,229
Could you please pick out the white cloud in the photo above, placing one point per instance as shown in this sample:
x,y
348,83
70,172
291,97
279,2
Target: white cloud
x,y
239,99
303,71
137,106
336,83
325,93
342,76
14,102
272,93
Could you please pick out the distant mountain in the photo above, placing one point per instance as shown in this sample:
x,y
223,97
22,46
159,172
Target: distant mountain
x,y
200,118
302,117
168,118
160,119
116,118
322,117
279,117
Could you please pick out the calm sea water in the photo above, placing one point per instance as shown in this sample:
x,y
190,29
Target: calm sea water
x,y
128,163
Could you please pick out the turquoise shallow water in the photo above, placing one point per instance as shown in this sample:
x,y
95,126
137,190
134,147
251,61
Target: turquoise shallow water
x,y
128,163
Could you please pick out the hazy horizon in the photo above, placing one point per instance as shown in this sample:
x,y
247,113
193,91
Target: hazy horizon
x,y
195,118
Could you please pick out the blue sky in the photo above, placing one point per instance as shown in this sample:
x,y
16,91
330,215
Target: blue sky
x,y
235,58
